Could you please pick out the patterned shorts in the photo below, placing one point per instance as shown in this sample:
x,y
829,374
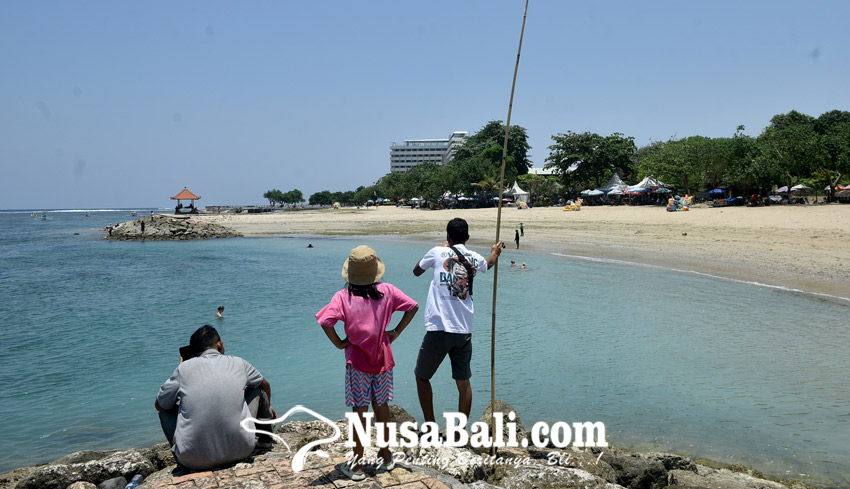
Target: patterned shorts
x,y
362,388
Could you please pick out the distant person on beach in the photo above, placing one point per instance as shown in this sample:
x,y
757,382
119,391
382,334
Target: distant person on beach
x,y
516,238
203,403
220,312
448,314
143,226
366,306
521,229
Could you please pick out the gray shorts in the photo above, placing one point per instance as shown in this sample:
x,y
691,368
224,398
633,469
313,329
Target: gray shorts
x,y
435,346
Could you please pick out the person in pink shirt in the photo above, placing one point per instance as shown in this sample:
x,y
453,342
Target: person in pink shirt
x,y
366,306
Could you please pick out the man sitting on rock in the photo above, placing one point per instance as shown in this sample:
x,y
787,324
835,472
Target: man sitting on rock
x,y
202,404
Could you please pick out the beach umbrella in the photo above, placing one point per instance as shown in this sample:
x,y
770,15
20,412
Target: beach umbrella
x,y
662,190
594,193
638,190
801,189
717,191
781,190
616,191
585,192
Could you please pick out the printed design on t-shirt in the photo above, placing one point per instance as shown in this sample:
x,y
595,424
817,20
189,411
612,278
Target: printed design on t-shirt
x,y
455,276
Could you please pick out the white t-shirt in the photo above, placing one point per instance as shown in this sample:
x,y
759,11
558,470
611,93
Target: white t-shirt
x,y
449,307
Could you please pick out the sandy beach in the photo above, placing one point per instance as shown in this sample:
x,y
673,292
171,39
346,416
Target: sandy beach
x,y
799,247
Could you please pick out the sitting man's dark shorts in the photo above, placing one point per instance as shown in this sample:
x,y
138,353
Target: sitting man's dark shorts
x,y
436,345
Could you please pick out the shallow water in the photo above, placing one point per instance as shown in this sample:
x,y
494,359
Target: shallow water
x,y
667,360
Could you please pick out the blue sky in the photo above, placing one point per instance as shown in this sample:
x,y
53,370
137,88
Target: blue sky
x,y
122,104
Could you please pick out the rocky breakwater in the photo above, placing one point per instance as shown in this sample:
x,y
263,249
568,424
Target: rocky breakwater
x,y
417,467
162,227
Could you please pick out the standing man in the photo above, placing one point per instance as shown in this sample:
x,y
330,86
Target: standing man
x,y
516,238
448,314
203,403
521,229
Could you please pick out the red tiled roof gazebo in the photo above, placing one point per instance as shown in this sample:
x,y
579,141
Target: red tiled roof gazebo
x,y
185,194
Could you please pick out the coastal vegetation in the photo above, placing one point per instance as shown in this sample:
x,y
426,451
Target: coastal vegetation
x,y
275,196
794,148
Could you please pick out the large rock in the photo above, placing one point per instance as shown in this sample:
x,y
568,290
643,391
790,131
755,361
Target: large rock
x,y
399,415
543,476
10,479
166,227
83,456
575,458
708,478
83,485
125,463
506,410
634,471
113,483
160,456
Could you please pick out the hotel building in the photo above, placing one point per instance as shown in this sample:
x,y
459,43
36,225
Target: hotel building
x,y
412,152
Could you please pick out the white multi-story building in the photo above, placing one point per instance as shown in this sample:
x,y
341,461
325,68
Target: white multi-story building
x,y
412,152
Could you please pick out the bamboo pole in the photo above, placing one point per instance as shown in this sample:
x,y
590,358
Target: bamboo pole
x,y
498,229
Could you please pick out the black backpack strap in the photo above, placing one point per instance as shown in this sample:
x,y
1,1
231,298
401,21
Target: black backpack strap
x,y
470,270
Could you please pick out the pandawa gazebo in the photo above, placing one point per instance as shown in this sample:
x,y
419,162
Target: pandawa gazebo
x,y
185,194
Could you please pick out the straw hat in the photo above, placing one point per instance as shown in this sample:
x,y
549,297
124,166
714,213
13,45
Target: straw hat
x,y
363,266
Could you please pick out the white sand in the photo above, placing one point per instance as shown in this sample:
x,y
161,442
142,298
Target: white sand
x,y
801,247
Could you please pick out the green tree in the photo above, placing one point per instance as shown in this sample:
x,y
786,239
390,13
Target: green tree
x,y
493,134
791,147
273,196
834,130
588,159
391,186
293,197
539,187
321,198
427,181
670,162
364,194
743,171
345,197
464,176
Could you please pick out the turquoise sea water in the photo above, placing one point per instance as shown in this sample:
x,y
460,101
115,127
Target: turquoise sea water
x,y
667,360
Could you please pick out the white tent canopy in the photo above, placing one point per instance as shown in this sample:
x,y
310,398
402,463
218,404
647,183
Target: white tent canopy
x,y
649,183
615,183
518,194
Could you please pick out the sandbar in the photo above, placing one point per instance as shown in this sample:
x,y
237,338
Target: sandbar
x,y
800,247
